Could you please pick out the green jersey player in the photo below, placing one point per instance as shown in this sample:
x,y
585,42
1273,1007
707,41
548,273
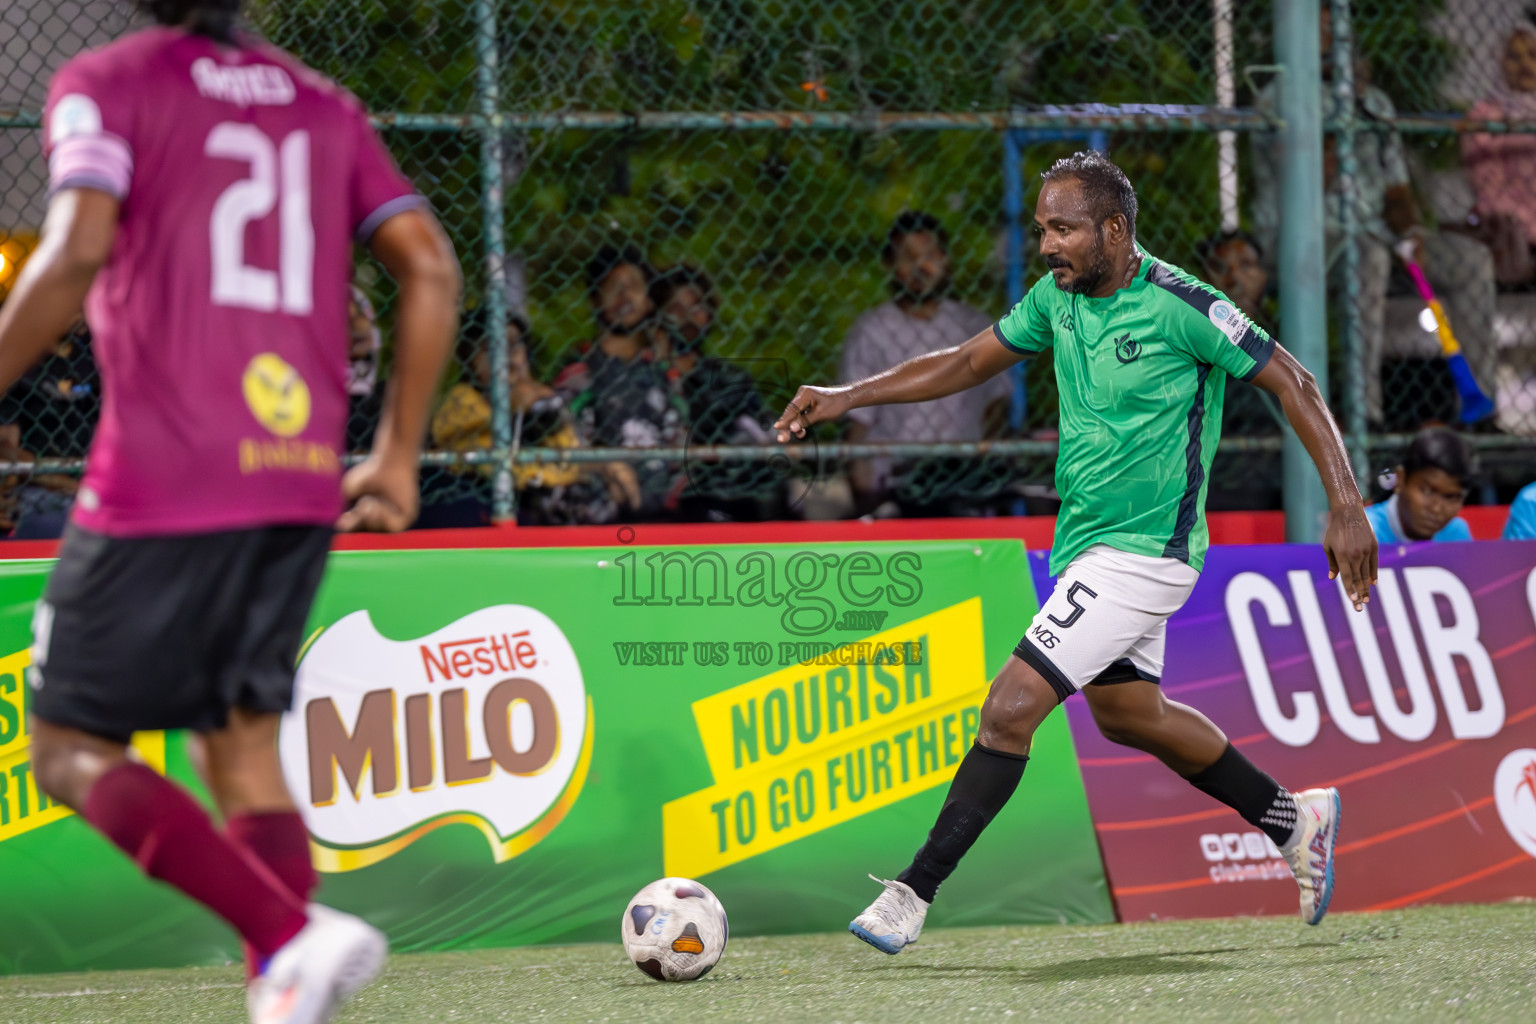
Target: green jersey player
x,y
1141,350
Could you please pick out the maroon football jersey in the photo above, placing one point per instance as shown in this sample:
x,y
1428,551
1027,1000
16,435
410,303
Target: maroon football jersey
x,y
220,318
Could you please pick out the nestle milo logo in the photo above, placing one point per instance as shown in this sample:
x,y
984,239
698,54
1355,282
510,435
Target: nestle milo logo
x,y
814,592
485,722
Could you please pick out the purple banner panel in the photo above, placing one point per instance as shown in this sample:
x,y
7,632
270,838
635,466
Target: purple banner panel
x,y
1422,712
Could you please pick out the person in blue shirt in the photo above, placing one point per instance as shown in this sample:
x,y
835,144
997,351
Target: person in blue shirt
x,y
1522,516
1428,489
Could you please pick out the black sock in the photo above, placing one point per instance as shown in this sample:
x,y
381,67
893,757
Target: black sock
x,y
983,784
1263,802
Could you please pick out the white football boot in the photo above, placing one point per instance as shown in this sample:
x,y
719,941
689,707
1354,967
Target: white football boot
x,y
319,969
894,920
1311,855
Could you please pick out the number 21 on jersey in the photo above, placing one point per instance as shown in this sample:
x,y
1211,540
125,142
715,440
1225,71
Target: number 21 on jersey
x,y
279,177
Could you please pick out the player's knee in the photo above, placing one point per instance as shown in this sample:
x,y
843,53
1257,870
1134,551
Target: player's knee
x,y
52,768
1009,718
1117,730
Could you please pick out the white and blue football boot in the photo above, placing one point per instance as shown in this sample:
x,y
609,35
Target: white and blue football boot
x,y
1311,855
894,920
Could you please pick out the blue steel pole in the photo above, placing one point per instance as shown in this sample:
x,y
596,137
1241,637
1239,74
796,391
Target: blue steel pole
x,y
489,124
1303,287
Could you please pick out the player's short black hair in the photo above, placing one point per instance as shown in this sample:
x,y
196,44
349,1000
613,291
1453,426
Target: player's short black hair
x,y
1105,185
683,275
610,257
213,18
1208,245
1442,449
910,222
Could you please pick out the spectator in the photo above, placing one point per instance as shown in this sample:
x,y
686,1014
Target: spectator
x,y
1234,263
618,388
52,411
1522,515
719,399
364,396
920,318
1502,168
550,494
1459,267
32,506
57,402
1428,489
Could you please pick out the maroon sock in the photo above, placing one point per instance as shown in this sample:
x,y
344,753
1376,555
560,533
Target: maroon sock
x,y
280,841
162,828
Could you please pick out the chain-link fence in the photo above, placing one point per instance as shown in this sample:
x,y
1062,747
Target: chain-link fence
x,y
675,211
1437,156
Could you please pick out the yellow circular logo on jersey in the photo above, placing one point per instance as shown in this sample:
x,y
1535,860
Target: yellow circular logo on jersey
x,y
276,394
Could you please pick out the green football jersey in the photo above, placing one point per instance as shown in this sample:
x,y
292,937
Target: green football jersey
x,y
1140,382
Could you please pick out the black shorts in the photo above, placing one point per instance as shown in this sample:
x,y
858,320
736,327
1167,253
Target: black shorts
x,y
172,632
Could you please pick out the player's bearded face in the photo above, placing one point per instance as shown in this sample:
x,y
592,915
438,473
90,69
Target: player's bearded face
x,y
1079,273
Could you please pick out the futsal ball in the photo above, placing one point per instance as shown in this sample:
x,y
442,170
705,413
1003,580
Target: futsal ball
x,y
675,930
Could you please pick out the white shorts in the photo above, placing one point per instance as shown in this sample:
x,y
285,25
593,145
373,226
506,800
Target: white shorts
x,y
1107,619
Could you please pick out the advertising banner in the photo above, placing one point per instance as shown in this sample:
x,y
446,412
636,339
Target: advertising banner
x,y
499,747
1422,712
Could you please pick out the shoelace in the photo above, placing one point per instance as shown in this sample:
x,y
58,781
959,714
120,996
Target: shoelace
x,y
893,898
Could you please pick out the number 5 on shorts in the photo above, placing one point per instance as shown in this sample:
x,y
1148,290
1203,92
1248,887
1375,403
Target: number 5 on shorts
x,y
1077,609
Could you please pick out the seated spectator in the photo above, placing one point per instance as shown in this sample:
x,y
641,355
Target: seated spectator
x,y
618,387
1428,489
549,494
1459,267
365,398
32,507
1234,264
1522,515
1502,168
51,412
719,399
919,318
56,403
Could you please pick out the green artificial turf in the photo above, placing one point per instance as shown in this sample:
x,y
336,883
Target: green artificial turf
x,y
1432,963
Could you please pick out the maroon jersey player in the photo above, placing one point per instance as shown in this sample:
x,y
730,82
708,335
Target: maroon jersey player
x,y
206,190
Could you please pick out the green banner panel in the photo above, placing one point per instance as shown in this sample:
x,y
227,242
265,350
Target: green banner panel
x,y
499,747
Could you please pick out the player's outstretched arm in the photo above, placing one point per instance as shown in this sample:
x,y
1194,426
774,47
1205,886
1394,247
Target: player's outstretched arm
x,y
919,379
77,239
383,492
1349,540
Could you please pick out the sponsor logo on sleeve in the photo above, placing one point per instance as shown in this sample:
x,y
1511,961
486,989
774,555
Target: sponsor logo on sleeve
x,y
74,116
485,722
1229,320
1514,791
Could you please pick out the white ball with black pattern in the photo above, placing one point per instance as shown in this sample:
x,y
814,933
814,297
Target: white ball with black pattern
x,y
675,930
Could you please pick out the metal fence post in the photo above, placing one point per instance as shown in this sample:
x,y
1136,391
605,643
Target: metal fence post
x,y
1303,281
1013,270
1354,367
489,124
